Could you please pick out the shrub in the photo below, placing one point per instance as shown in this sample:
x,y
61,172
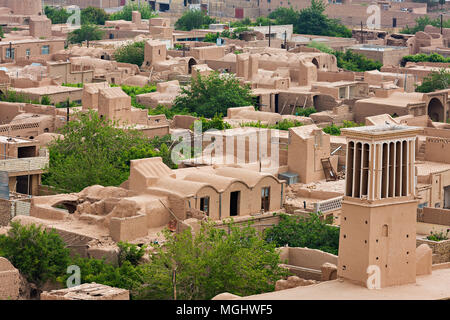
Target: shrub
x,y
305,112
212,261
38,254
215,123
282,125
309,232
213,94
45,100
438,236
193,19
130,252
126,12
131,53
335,130
436,80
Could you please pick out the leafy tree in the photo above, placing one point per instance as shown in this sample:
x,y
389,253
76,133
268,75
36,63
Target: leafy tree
x,y
38,254
308,232
91,15
312,20
305,112
126,276
422,57
436,80
285,124
285,16
57,15
335,130
348,60
2,33
130,252
422,22
211,37
94,151
131,53
193,19
215,123
168,112
87,32
127,12
13,96
212,261
213,94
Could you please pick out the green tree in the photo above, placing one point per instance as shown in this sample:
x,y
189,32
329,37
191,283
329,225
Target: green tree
x,y
130,252
57,15
422,22
127,12
91,15
39,255
308,232
213,94
95,151
87,32
436,80
211,37
212,261
285,16
335,130
193,19
131,53
215,123
2,34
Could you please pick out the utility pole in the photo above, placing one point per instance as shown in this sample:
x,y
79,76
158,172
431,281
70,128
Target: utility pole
x,y
270,25
441,23
285,39
362,34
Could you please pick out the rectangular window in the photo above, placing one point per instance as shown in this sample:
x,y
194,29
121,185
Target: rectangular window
x,y
265,199
204,205
10,54
28,52
45,50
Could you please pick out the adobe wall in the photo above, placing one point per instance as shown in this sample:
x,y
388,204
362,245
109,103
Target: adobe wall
x,y
441,249
9,280
128,228
434,216
437,149
5,212
365,108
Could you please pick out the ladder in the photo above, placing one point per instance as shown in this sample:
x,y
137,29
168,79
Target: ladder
x,y
328,170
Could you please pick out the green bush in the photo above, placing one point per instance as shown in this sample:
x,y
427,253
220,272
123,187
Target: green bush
x,y
38,254
422,57
422,22
131,53
284,124
335,130
193,19
305,112
212,261
45,100
215,123
436,80
438,236
213,94
309,232
126,12
130,252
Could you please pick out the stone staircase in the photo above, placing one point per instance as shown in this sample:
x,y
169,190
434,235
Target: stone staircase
x,y
420,155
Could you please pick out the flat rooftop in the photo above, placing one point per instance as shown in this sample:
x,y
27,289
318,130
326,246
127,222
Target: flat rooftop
x,y
374,47
428,287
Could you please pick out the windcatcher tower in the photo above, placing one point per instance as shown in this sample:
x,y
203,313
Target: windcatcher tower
x,y
378,221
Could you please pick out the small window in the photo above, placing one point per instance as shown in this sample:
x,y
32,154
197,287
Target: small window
x,y
45,50
204,205
28,52
385,230
265,199
10,53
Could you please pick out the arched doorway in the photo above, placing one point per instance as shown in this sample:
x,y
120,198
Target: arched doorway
x,y
436,110
315,62
191,63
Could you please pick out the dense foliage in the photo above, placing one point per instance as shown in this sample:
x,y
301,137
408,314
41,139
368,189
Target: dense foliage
x,y
210,262
215,123
436,80
130,253
348,60
89,15
284,124
311,20
38,254
335,130
422,22
126,12
305,112
193,19
213,94
94,151
87,32
13,96
422,57
131,53
438,235
309,232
